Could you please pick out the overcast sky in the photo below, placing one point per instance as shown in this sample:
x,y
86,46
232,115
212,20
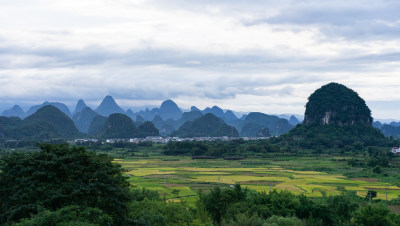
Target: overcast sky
x,y
266,56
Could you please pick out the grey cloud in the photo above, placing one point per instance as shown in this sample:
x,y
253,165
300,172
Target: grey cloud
x,y
388,105
96,55
336,15
356,19
243,63
377,58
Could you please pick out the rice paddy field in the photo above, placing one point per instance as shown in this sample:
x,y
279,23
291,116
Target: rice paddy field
x,y
181,178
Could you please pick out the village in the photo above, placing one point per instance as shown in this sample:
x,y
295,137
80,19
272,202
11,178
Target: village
x,y
162,140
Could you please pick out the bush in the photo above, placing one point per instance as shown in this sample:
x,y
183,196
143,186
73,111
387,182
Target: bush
x,y
245,220
377,170
283,221
376,215
70,215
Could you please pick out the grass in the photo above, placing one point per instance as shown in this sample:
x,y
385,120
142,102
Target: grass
x,y
298,175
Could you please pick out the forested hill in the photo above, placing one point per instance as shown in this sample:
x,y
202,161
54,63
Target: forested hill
x,y
335,104
335,117
121,126
257,123
46,123
207,125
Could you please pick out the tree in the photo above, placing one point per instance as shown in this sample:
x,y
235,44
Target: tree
x,y
58,176
377,170
370,195
279,220
245,220
342,207
153,210
214,204
70,215
175,192
374,215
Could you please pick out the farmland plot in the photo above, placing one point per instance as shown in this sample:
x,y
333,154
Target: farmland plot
x,y
182,179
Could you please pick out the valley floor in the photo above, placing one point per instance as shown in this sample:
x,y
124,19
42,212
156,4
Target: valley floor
x,y
180,178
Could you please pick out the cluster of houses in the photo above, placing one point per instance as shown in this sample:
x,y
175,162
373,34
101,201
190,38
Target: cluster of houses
x,y
164,140
396,150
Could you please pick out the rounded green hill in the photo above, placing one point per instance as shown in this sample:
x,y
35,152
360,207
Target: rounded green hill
x,y
335,117
335,104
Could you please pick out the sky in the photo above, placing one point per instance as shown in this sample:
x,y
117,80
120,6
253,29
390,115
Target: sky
x,y
266,56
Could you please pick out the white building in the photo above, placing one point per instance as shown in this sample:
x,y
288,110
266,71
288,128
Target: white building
x,y
396,150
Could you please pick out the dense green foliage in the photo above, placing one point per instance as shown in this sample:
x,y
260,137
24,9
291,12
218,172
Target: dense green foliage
x,y
46,123
242,205
207,125
238,206
376,215
215,148
186,147
70,215
58,176
334,136
153,210
300,141
336,104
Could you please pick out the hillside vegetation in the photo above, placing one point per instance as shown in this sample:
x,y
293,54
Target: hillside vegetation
x,y
46,123
207,125
336,117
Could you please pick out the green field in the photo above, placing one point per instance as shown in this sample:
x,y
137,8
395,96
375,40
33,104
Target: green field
x,y
180,178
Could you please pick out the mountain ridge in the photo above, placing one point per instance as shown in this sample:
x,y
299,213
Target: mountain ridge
x,y
108,106
207,125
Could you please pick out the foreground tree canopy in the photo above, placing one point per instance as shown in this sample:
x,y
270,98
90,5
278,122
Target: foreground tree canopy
x,y
59,176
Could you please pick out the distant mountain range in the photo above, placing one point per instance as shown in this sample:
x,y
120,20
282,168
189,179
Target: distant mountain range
x,y
168,120
390,130
108,118
108,106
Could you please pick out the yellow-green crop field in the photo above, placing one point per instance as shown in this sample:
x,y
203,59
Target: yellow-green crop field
x,y
182,178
